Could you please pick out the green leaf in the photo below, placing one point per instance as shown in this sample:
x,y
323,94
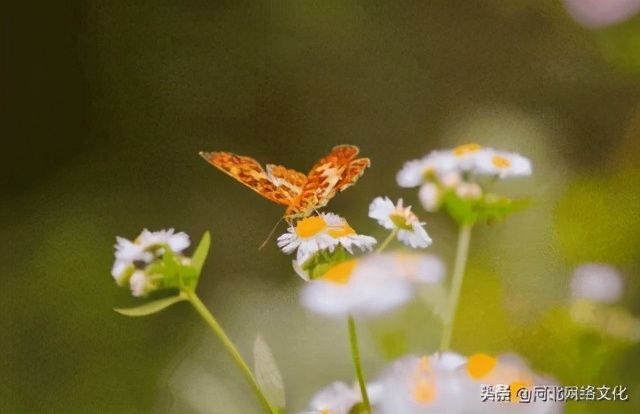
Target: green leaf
x,y
267,373
150,307
200,255
322,261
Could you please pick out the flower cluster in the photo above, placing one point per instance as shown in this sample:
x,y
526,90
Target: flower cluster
x,y
453,179
342,283
140,263
442,383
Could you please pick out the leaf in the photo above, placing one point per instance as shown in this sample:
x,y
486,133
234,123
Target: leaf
x,y
150,307
321,262
200,255
267,373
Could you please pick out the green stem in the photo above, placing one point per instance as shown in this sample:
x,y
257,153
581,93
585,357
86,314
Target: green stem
x,y
385,243
355,353
462,252
230,347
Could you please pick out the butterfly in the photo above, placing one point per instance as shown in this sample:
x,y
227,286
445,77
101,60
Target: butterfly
x,y
301,194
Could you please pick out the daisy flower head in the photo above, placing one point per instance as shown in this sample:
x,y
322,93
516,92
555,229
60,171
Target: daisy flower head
x,y
423,385
502,164
357,287
597,282
410,230
367,286
133,257
325,231
434,165
513,373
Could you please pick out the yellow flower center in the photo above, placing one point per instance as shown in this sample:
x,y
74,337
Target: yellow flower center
x,y
340,273
400,221
500,162
516,386
341,231
424,391
310,226
480,365
466,149
325,411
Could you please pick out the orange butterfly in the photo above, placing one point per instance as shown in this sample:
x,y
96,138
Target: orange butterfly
x,y
302,194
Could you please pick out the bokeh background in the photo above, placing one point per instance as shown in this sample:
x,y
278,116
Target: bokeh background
x,y
106,105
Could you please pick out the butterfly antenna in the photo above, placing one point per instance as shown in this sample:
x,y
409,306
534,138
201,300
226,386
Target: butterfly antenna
x,y
273,230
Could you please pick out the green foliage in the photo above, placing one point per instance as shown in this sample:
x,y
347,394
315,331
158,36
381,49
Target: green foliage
x,y
201,252
267,373
150,308
488,209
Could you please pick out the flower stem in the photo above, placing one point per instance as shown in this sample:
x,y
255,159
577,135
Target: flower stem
x,y
355,353
385,243
462,252
230,347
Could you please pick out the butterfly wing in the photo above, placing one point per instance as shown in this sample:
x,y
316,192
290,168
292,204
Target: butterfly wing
x,y
323,181
283,176
250,173
353,172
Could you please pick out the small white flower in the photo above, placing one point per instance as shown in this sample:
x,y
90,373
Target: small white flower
x,y
396,217
435,164
423,385
177,242
502,164
133,256
355,287
141,284
370,285
430,196
508,370
322,232
597,282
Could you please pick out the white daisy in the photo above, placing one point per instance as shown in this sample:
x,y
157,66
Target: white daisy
x,y
396,217
423,385
597,282
467,155
504,370
370,285
177,242
502,164
435,164
322,232
133,256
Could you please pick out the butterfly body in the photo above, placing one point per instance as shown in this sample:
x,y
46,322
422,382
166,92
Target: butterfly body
x,y
301,194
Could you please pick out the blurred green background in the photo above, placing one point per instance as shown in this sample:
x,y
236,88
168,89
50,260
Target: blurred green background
x,y
106,105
